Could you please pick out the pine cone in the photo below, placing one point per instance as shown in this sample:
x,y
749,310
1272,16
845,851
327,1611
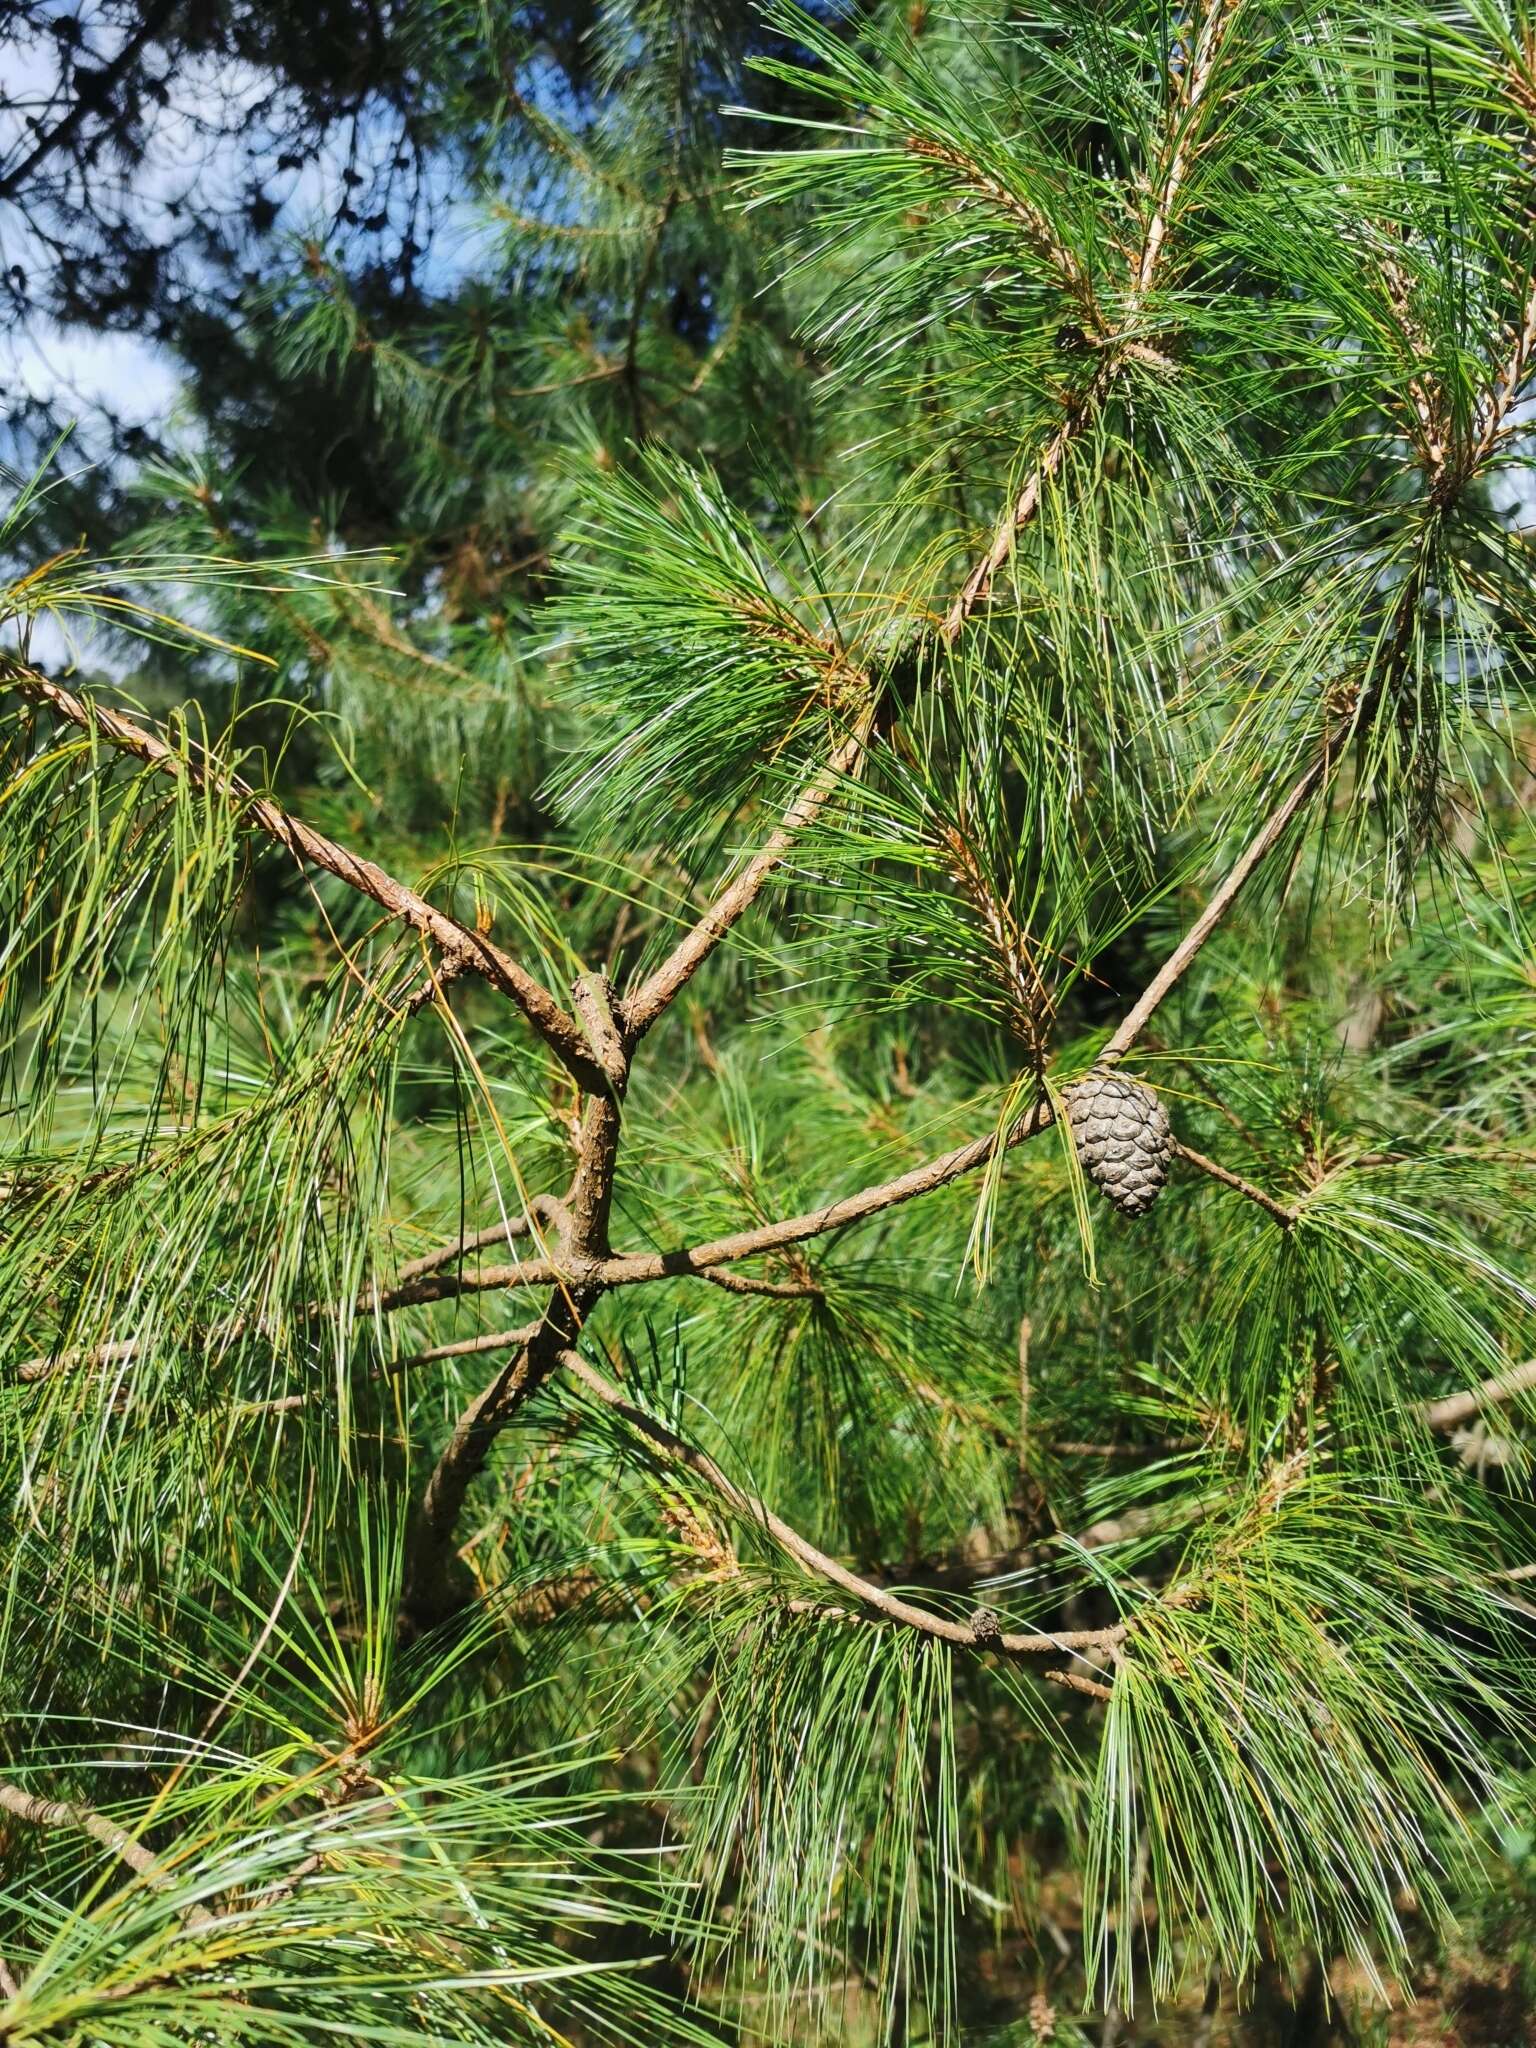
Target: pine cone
x,y
1122,1137
985,1626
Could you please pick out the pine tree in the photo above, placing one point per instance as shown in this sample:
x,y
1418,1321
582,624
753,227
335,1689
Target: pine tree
x,y
766,1172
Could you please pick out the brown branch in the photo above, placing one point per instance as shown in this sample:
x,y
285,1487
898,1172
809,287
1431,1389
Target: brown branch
x,y
1447,471
441,975
460,1461
1182,137
1076,1682
461,1347
775,1290
1263,842
543,1209
805,1553
1453,1410
1180,141
456,942
432,1587
632,1269
117,1352
280,1404
1160,1448
637,1267
108,1354
556,138
648,1002
468,1347
1023,213
1283,1216
977,587
62,1813
600,376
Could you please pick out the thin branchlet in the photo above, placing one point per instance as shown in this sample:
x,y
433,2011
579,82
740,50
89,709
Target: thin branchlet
x,y
459,945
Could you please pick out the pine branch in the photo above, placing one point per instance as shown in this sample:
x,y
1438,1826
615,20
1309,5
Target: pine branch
x,y
472,950
1215,1171
1181,138
1192,86
648,1002
653,997
468,1347
1023,213
1454,1409
547,1210
1491,415
1264,841
587,1275
428,1589
103,84
636,1268
977,587
461,1347
1022,983
1300,1750
1430,435
639,1267
774,1290
460,1461
678,1451
1507,387
62,1813
116,1352
637,312
1077,1681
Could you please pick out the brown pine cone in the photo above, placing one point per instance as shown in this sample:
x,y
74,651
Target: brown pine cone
x,y
1123,1140
985,1626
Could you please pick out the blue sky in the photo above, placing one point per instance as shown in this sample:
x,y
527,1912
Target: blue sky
x,y
186,151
